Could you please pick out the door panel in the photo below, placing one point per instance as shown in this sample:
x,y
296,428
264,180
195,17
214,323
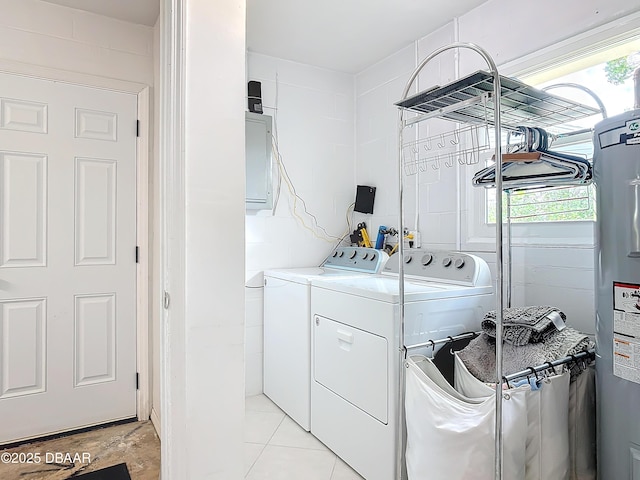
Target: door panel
x,y
95,205
67,256
95,356
22,347
24,200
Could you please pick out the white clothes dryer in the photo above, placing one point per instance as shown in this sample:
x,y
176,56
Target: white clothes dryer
x,y
287,325
356,349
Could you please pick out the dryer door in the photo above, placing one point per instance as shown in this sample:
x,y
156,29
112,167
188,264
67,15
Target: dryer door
x,y
352,363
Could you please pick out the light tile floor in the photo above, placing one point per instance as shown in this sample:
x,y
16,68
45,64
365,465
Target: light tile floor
x,y
277,448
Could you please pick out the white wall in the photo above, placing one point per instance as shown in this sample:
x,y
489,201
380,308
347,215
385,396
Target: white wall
x,y
203,334
314,122
49,35
551,274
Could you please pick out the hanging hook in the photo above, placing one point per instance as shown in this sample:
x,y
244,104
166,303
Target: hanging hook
x,y
506,380
456,138
574,360
551,367
441,143
449,163
470,158
533,370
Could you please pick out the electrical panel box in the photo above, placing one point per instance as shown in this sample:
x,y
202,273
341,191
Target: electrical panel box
x,y
259,175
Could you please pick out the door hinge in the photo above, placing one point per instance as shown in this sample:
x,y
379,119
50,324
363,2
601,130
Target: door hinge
x,y
137,381
137,128
137,254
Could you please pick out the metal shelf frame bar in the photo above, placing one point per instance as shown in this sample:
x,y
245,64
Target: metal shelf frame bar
x,y
495,86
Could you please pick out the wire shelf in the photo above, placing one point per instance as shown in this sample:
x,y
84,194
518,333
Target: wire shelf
x,y
468,100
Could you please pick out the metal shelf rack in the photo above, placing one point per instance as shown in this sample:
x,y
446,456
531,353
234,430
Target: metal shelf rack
x,y
482,100
469,100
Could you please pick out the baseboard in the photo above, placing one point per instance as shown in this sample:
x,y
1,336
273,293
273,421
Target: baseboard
x,y
155,420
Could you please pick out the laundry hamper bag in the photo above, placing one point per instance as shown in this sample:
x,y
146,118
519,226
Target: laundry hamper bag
x,y
451,437
547,453
582,426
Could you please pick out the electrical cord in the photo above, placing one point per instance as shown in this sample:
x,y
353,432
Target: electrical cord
x,y
275,136
284,174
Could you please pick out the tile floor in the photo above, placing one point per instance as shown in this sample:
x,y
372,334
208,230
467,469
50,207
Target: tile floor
x,y
277,448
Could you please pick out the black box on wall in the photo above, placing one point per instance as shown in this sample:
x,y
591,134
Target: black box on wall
x,y
254,93
364,199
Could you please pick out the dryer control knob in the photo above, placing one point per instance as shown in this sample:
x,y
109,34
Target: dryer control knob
x,y
427,259
365,256
408,259
335,254
459,263
341,254
446,262
373,257
353,254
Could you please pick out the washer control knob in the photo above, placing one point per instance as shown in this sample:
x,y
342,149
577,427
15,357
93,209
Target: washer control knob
x,y
459,263
373,257
427,259
408,259
341,254
365,255
353,254
446,262
335,254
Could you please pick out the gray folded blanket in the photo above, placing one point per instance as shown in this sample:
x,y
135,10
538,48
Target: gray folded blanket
x,y
523,325
480,355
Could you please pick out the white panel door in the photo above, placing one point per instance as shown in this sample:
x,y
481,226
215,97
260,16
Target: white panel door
x,y
67,257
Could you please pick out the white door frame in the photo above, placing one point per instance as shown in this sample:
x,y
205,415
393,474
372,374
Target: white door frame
x,y
172,239
143,353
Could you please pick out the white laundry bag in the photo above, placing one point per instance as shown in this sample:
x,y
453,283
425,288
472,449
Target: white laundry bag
x,y
547,454
451,437
582,426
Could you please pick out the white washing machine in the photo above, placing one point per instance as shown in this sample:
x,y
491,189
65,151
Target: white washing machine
x,y
355,347
287,325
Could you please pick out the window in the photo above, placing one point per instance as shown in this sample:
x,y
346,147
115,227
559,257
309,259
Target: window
x,y
612,81
560,216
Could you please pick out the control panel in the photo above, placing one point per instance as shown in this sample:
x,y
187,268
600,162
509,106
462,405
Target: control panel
x,y
441,266
357,259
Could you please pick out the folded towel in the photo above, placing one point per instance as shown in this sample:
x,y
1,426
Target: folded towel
x,y
480,355
523,325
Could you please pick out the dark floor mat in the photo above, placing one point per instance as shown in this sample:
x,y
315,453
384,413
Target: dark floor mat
x,y
116,472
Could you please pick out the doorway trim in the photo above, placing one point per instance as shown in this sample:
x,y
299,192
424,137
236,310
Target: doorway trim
x,y
143,143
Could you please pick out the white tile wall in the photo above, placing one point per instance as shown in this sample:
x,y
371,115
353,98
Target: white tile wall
x,y
314,121
377,88
492,26
558,276
54,36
